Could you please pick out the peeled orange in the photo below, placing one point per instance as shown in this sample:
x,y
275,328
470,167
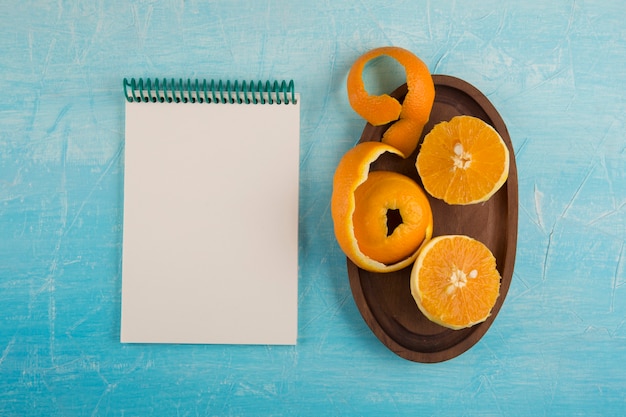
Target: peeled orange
x,y
392,216
463,161
411,116
380,218
454,281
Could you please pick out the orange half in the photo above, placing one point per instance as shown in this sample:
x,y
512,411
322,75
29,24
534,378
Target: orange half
x,y
455,282
463,161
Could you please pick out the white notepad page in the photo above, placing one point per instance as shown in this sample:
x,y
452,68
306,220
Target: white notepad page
x,y
210,246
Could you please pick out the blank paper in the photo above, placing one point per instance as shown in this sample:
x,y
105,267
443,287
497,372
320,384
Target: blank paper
x,y
210,246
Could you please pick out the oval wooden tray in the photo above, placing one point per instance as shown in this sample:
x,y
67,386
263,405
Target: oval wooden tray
x,y
385,300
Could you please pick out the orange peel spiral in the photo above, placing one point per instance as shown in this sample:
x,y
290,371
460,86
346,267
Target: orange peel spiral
x,y
412,115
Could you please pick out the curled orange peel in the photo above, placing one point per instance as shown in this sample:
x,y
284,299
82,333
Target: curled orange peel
x,y
412,115
359,211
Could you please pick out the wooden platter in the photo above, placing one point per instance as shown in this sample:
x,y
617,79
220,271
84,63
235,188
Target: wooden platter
x,y
385,300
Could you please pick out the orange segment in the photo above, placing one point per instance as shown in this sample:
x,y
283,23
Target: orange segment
x,y
351,173
463,161
412,115
455,282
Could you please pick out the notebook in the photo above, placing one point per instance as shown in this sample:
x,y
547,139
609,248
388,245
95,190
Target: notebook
x,y
210,239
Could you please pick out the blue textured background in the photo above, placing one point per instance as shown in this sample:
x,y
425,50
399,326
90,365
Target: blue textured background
x,y
554,71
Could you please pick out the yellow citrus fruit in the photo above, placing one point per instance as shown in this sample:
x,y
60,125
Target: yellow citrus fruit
x,y
454,281
361,207
412,115
463,161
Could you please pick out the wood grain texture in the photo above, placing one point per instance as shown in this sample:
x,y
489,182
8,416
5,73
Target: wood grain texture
x,y
385,300
555,72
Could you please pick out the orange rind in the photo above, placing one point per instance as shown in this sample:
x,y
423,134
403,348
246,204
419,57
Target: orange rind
x,y
360,206
411,116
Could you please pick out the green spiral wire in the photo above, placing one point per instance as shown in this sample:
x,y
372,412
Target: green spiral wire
x,y
202,91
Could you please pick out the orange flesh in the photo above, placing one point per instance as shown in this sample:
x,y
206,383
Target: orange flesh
x,y
382,192
463,161
455,282
350,220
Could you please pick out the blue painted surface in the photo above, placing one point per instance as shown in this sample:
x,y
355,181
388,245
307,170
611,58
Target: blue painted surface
x,y
554,70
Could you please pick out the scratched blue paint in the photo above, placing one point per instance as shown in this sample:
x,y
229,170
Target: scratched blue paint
x,y
555,71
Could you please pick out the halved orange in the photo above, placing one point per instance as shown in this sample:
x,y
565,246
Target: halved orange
x,y
454,281
362,204
412,115
463,161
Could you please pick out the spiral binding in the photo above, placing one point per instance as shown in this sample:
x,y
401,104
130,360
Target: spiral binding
x,y
201,91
